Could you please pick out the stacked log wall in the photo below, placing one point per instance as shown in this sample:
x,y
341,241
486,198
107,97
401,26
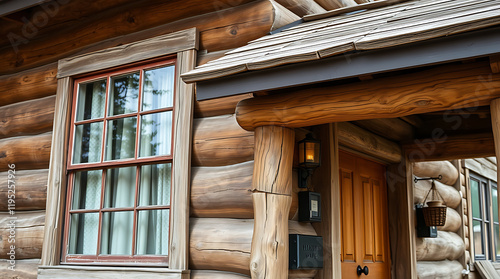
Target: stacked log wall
x,y
28,83
442,257
221,206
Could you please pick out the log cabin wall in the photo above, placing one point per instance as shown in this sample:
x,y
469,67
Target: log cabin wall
x,y
448,254
222,152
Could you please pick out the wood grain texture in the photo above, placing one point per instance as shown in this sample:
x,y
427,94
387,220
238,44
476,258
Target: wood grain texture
x,y
218,106
447,245
495,63
27,118
451,148
335,4
29,227
56,187
222,25
30,189
224,244
302,7
226,192
391,128
269,254
273,160
436,168
449,194
220,141
495,125
129,53
325,182
401,220
213,274
439,88
24,269
26,152
453,221
366,142
181,168
103,272
30,84
439,269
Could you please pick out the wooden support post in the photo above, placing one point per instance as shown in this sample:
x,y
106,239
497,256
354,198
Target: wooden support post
x,y
495,123
401,220
272,189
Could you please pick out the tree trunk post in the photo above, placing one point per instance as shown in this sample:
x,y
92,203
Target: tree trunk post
x,y
272,189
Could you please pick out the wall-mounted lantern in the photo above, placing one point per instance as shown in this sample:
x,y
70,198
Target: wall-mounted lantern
x,y
309,158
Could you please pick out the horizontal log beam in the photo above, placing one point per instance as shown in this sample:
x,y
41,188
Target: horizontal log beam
x,y
27,152
453,221
30,189
224,244
31,84
390,128
219,141
221,25
218,106
439,269
226,192
446,246
364,141
27,118
449,194
436,89
451,148
213,274
29,227
24,269
446,169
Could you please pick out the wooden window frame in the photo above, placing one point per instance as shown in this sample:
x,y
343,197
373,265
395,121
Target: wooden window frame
x,y
104,165
486,207
183,45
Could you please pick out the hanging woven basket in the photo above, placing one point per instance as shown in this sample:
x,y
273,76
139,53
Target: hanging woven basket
x,y
435,211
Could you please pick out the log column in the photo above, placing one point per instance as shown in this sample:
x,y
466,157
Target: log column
x,y
495,123
272,189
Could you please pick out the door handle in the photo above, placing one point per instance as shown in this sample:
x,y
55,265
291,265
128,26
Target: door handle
x,y
363,270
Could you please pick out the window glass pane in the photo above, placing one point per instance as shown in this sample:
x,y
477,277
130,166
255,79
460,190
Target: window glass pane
x,y
152,232
476,202
478,241
88,141
120,187
124,94
83,233
155,184
120,142
158,88
494,202
91,100
116,235
156,134
87,190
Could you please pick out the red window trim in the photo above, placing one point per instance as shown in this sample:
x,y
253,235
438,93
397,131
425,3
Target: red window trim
x,y
129,260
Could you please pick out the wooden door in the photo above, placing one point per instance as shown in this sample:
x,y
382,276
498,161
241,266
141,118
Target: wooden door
x,y
365,234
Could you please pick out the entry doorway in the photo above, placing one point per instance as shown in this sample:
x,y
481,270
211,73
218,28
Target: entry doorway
x,y
364,218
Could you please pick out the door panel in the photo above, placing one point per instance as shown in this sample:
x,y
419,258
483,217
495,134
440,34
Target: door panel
x,y
365,239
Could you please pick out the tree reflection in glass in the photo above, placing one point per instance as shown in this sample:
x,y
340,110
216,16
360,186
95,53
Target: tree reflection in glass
x,y
124,94
120,142
91,100
158,88
156,134
87,144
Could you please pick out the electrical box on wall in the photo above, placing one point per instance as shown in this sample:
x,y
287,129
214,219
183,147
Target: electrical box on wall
x,y
309,207
306,251
422,229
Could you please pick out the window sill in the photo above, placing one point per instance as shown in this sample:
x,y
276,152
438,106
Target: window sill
x,y
101,272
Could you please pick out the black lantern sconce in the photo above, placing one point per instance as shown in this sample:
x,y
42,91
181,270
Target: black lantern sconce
x,y
309,158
